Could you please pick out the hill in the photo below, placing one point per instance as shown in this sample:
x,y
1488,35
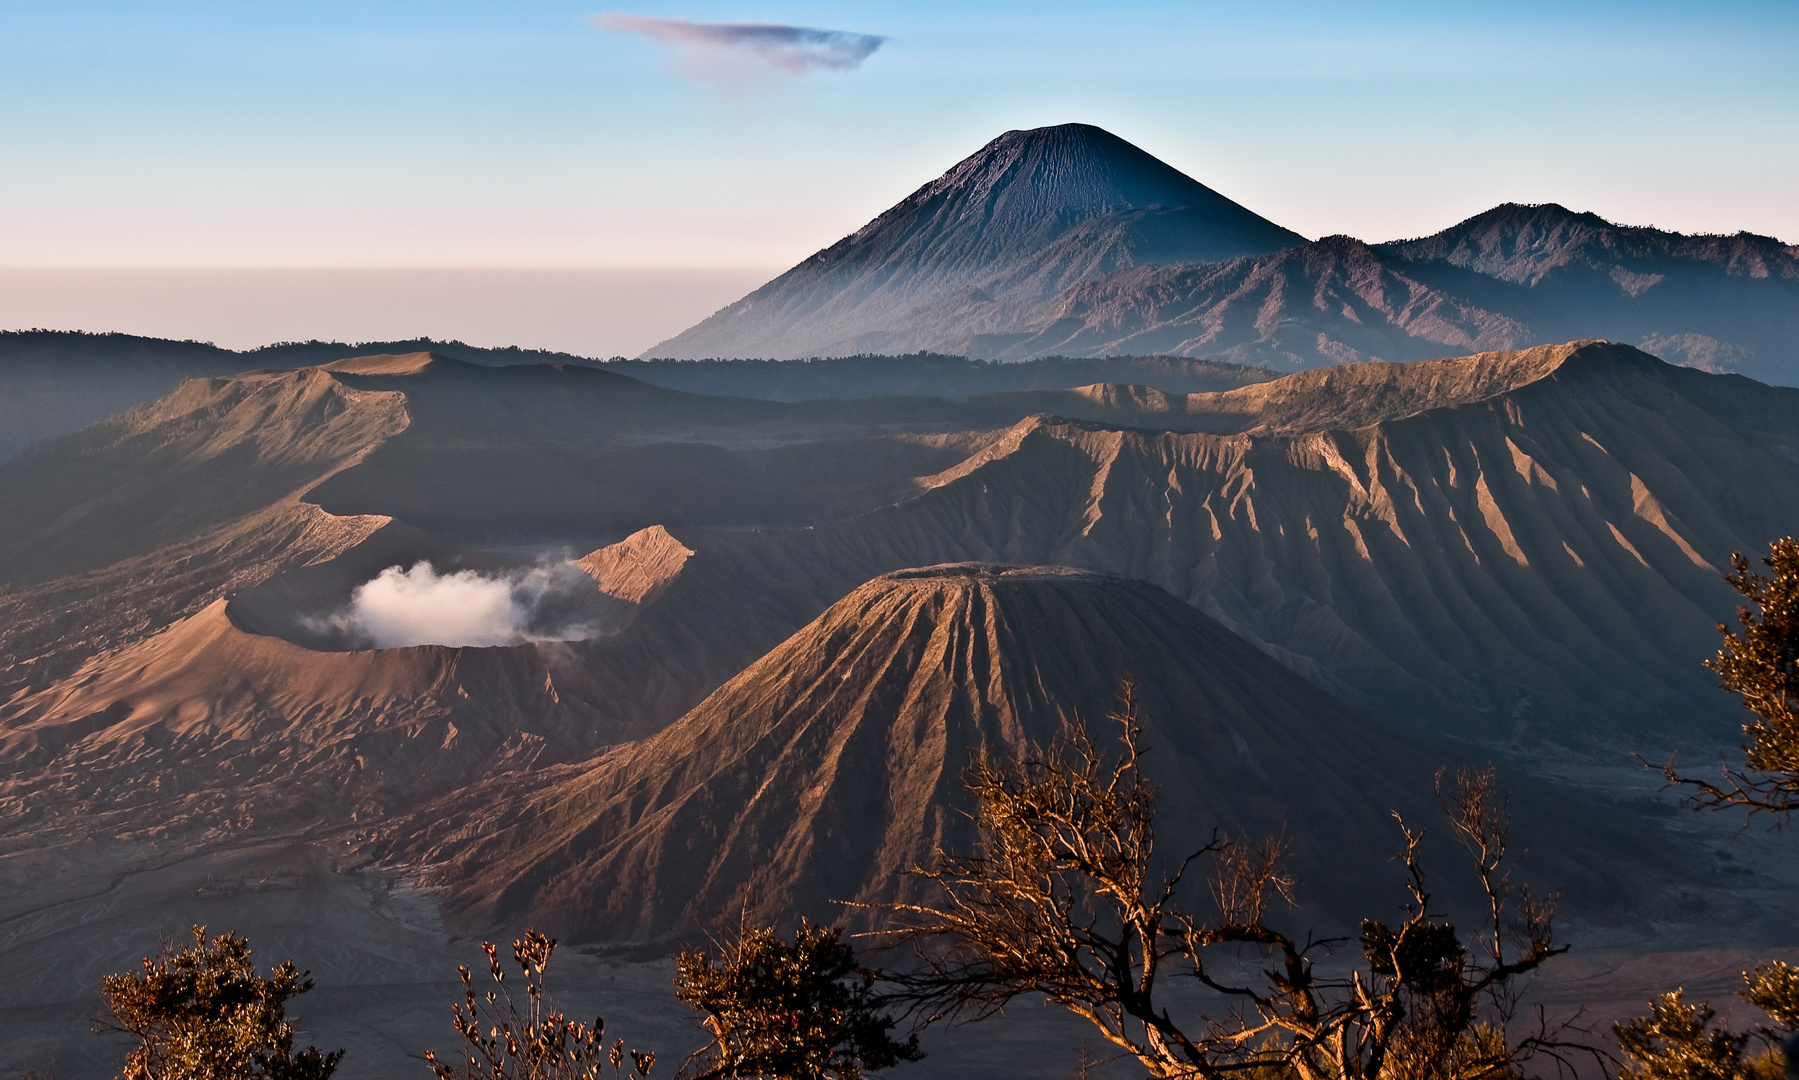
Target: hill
x,y
1026,216
1518,547
833,764
1719,303
54,383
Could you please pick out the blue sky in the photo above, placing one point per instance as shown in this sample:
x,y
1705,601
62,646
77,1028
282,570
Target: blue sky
x,y
460,134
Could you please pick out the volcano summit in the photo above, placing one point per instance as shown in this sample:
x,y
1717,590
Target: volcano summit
x,y
1027,216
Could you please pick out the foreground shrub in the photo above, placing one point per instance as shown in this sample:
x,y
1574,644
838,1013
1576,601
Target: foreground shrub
x,y
799,1011
1759,664
1062,899
203,1013
506,1039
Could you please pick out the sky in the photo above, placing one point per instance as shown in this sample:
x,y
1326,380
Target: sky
x,y
546,135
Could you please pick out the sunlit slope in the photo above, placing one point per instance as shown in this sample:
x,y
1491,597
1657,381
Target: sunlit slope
x,y
1546,557
218,727
212,451
833,764
122,528
1511,544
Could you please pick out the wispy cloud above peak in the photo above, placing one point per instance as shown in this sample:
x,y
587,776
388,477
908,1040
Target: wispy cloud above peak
x,y
736,53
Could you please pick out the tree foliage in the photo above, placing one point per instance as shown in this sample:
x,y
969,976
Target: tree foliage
x,y
1677,1041
1761,665
506,1039
203,1013
1062,900
794,1011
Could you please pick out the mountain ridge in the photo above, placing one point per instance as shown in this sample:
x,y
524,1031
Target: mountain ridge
x,y
995,227
1512,277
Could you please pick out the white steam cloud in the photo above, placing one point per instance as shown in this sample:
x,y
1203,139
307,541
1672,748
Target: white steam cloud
x,y
732,54
423,607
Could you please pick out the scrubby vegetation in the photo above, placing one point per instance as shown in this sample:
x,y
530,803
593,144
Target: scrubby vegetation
x,y
802,1009
1759,663
506,1039
1063,899
203,1013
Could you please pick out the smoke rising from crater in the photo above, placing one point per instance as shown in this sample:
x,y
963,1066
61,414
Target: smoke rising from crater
x,y
419,606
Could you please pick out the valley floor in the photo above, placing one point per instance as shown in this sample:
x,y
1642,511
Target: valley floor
x,y
385,965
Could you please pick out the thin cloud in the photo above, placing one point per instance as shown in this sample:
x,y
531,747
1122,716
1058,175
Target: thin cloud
x,y
733,53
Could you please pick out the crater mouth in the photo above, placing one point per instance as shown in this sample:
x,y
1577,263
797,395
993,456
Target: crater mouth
x,y
420,605
412,590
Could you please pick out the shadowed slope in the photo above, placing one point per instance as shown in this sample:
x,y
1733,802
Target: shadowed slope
x,y
1507,279
1720,303
1521,545
212,451
1514,546
121,529
1030,214
1333,301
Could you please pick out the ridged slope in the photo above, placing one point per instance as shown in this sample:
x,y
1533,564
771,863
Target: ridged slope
x,y
1527,244
1023,218
833,764
1507,279
1333,301
1542,561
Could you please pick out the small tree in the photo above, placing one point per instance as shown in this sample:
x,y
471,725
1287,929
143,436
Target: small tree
x,y
203,1013
1677,1041
531,1040
1761,665
800,1011
1062,901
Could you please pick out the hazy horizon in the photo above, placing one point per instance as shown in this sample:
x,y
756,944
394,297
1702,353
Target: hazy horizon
x,y
589,312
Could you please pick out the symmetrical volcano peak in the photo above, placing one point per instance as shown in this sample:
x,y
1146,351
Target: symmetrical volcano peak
x,y
1029,214
1042,181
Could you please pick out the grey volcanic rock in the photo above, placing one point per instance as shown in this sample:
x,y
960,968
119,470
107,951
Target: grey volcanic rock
x,y
1521,546
1531,244
1030,214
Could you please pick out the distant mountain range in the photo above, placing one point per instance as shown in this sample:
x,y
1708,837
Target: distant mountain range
x,y
56,382
1070,241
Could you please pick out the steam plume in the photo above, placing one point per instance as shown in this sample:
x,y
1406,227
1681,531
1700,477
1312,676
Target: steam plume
x,y
422,607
